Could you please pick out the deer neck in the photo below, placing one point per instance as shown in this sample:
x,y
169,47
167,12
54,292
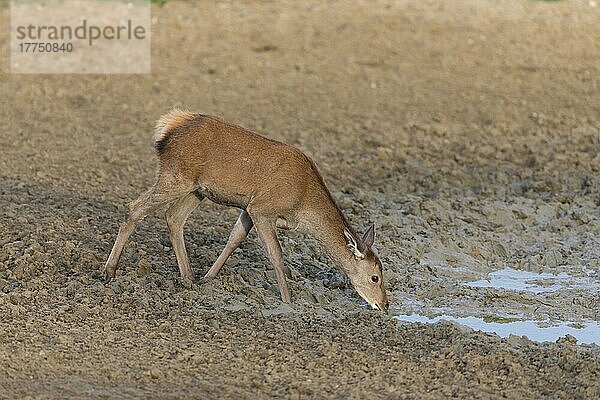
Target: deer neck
x,y
326,223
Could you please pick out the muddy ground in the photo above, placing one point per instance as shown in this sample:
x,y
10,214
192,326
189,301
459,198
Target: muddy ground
x,y
467,131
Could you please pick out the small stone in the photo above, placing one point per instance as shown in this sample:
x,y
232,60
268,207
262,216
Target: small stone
x,y
144,268
308,296
567,339
165,327
517,341
155,373
282,309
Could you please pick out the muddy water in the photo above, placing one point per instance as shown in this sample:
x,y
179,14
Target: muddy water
x,y
517,302
585,332
518,281
519,288
513,282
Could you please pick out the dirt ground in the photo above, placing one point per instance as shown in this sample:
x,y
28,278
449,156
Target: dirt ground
x,y
468,131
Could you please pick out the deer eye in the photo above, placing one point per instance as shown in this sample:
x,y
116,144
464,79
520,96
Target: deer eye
x,y
374,279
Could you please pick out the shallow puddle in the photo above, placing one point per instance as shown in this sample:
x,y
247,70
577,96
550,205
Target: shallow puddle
x,y
517,280
585,332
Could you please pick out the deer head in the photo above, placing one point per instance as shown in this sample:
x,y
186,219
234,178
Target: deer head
x,y
365,270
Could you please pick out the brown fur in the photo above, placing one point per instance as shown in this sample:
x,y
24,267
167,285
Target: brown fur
x,y
276,185
167,124
169,121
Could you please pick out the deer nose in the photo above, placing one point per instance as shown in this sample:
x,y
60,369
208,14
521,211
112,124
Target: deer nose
x,y
381,307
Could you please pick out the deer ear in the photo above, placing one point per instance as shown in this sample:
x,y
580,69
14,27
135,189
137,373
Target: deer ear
x,y
352,245
369,236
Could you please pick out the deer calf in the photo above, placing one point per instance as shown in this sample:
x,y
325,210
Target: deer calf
x,y
274,184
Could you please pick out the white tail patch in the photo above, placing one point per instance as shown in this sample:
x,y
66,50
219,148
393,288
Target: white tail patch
x,y
169,121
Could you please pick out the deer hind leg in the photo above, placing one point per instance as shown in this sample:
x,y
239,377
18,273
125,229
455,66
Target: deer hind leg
x,y
236,237
176,216
266,229
154,198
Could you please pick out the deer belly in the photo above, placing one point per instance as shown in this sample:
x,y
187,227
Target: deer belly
x,y
224,197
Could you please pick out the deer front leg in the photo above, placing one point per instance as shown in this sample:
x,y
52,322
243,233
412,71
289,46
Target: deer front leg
x,y
176,216
267,234
239,232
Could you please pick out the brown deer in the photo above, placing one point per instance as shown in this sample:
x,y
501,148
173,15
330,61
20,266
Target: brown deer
x,y
274,184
